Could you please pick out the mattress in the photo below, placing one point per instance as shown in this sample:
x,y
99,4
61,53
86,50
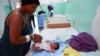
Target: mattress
x,y
58,22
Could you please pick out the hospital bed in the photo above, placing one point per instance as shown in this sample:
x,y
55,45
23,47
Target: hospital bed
x,y
63,33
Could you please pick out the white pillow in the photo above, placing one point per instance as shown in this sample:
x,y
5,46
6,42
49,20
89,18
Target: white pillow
x,y
59,15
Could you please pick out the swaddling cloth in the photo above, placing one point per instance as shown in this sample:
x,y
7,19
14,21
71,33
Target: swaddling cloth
x,y
44,45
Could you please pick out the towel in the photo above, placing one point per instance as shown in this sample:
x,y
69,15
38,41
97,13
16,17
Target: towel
x,y
69,51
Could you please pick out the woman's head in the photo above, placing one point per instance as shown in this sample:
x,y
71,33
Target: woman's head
x,y
25,2
29,6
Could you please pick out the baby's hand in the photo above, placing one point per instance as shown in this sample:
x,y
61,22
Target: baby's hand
x,y
36,48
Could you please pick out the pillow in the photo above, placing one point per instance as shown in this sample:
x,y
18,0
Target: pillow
x,y
59,15
54,20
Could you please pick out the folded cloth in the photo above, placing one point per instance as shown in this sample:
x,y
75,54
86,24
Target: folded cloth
x,y
83,42
69,51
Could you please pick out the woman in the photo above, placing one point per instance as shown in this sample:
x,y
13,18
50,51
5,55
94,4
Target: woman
x,y
50,8
17,35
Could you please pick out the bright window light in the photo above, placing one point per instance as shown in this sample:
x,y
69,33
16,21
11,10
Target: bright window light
x,y
66,0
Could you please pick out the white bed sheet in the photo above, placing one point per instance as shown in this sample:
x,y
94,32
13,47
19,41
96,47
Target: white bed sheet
x,y
93,53
51,33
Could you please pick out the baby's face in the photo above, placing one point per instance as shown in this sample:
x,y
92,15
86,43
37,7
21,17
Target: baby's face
x,y
53,45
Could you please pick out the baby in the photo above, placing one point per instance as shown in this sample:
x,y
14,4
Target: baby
x,y
48,46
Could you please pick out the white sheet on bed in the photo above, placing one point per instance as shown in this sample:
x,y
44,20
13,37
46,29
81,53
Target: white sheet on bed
x,y
52,33
93,53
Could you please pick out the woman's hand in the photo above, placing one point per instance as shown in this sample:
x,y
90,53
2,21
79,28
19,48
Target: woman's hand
x,y
36,48
36,38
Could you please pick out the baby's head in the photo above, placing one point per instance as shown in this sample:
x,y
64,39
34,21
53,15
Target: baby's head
x,y
37,38
55,45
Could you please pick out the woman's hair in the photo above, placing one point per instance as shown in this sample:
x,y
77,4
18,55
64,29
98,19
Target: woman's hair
x,y
25,2
50,7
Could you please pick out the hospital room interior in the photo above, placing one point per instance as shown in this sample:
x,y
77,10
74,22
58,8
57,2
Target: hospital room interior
x,y
74,24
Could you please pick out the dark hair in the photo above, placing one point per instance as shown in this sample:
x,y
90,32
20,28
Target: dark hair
x,y
57,45
25,2
50,7
40,12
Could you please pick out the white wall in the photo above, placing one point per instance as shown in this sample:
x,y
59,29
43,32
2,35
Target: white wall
x,y
5,2
13,3
41,1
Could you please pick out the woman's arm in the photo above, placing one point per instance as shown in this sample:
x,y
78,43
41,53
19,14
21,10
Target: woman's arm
x,y
15,26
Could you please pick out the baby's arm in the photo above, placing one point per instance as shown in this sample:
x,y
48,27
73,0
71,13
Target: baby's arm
x,y
36,48
51,50
48,41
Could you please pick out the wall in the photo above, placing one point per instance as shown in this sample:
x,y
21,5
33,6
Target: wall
x,y
4,10
82,12
59,8
13,3
51,1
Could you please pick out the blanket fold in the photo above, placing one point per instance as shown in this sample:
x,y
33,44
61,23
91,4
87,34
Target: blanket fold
x,y
83,42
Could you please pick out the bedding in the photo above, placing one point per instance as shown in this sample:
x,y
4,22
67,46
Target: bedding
x,y
45,53
67,35
58,22
69,51
83,42
58,52
93,53
52,34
